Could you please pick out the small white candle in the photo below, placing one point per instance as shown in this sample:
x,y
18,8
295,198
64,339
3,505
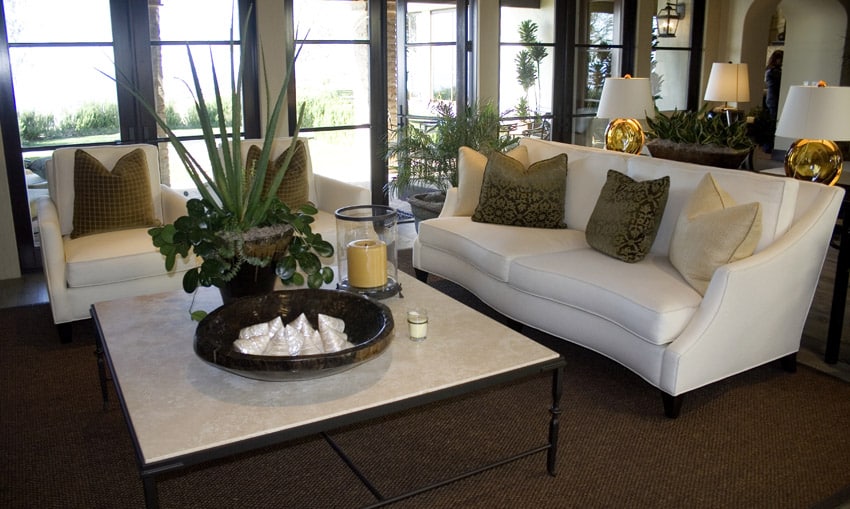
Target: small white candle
x,y
417,324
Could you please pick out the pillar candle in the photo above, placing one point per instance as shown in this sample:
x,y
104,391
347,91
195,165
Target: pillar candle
x,y
367,263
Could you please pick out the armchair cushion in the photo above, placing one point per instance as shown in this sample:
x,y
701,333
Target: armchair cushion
x,y
294,189
107,200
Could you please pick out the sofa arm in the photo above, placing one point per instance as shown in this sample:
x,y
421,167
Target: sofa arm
x,y
333,194
53,259
450,205
754,309
173,204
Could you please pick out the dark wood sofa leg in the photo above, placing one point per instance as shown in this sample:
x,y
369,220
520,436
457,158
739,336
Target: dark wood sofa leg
x,y
421,275
672,404
789,362
64,331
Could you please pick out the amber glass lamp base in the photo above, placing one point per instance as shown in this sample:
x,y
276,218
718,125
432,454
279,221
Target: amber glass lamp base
x,y
814,160
624,135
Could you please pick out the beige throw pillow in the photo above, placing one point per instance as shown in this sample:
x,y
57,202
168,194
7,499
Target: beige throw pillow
x,y
470,167
712,231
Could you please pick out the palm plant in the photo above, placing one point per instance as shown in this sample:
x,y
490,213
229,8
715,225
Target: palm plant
x,y
236,221
426,155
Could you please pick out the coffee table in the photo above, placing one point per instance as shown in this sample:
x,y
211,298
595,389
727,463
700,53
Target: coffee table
x,y
181,411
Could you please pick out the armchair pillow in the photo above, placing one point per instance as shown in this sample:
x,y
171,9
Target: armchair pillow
x,y
294,189
470,176
111,200
627,215
516,196
711,231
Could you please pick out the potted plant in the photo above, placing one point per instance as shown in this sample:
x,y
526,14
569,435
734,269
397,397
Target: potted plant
x,y
426,154
695,137
242,232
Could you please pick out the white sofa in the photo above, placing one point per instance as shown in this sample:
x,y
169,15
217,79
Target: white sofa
x,y
645,315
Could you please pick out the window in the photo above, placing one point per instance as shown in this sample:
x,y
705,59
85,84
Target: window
x,y
332,77
670,63
61,57
526,68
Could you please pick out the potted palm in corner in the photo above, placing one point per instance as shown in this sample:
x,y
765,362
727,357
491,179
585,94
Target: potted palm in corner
x,y
426,155
244,234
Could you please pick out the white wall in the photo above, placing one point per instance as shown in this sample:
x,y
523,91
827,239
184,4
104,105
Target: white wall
x,y
10,266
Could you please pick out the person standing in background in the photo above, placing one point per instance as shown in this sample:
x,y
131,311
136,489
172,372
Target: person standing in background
x,y
772,78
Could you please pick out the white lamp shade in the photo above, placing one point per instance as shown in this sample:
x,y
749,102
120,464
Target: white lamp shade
x,y
626,98
817,113
728,83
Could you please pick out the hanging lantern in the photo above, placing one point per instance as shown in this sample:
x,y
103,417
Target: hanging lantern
x,y
668,20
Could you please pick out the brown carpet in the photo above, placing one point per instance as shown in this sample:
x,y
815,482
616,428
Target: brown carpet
x,y
761,439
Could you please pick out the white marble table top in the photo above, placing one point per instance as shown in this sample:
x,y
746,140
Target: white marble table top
x,y
178,405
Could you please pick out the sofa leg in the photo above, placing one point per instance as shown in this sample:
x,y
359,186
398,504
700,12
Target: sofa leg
x,y
672,404
789,362
421,275
64,331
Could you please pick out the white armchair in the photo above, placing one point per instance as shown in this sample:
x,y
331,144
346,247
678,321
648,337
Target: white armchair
x,y
101,266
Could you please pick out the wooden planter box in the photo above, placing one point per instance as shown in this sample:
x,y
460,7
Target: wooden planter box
x,y
709,155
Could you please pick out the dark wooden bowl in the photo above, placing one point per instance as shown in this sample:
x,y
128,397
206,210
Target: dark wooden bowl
x,y
368,323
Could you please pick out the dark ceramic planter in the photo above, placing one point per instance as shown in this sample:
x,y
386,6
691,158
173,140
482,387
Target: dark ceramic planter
x,y
709,155
249,281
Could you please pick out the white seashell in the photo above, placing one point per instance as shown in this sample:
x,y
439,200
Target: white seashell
x,y
312,344
275,325
333,340
294,340
259,329
278,345
302,324
330,322
251,346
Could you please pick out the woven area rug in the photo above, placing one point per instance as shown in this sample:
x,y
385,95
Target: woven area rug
x,y
764,438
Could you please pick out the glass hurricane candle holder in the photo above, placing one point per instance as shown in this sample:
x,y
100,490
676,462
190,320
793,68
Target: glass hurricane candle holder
x,y
367,250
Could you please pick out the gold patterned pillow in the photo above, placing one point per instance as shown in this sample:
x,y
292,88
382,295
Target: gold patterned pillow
x,y
294,189
111,200
516,196
627,215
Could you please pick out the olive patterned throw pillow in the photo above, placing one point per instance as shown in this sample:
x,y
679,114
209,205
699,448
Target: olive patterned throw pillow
x,y
627,215
294,189
111,200
514,195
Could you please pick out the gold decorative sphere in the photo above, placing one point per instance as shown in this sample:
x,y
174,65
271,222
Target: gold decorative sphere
x,y
624,135
814,160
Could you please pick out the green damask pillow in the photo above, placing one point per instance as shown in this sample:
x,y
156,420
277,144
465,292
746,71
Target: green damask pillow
x,y
627,215
111,200
516,196
294,189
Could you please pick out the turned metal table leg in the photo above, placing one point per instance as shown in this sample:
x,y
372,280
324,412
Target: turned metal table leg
x,y
552,453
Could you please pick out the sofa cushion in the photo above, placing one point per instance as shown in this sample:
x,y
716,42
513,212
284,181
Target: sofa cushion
x,y
107,200
626,216
490,247
294,189
514,195
107,258
713,231
647,298
470,167
777,195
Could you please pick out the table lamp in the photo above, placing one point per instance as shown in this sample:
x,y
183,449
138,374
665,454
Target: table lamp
x,y
625,101
727,83
815,116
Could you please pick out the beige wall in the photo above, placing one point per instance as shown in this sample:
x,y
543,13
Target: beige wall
x,y
10,266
